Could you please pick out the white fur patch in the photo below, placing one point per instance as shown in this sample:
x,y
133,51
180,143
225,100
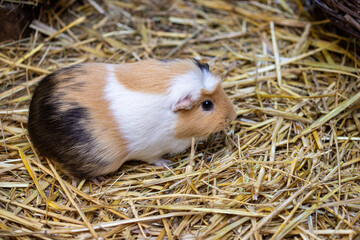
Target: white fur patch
x,y
209,81
192,83
184,85
144,120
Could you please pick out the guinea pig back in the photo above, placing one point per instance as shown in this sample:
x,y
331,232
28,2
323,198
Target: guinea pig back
x,y
91,118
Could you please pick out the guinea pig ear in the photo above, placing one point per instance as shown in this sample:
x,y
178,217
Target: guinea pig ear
x,y
184,103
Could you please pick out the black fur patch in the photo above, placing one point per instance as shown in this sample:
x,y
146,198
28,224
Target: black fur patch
x,y
202,66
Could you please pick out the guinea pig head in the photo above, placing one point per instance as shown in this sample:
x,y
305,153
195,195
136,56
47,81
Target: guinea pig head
x,y
207,112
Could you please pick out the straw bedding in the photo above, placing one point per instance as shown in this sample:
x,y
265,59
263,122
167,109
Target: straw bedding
x,y
286,168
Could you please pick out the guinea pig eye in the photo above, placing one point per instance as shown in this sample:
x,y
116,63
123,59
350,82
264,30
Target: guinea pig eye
x,y
207,105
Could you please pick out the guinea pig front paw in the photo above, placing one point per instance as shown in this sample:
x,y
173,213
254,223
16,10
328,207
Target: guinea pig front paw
x,y
162,162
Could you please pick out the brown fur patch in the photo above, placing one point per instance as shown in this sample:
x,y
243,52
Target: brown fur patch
x,y
152,76
198,123
86,87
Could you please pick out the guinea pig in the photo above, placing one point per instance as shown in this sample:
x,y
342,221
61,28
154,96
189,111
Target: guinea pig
x,y
91,118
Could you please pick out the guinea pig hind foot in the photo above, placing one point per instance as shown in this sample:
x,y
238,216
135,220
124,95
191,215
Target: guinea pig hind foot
x,y
162,163
100,180
75,182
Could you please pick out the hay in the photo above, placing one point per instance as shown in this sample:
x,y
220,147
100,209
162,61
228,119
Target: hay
x,y
287,167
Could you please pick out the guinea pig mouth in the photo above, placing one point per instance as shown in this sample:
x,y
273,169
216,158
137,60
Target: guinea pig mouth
x,y
202,138
222,126
227,121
